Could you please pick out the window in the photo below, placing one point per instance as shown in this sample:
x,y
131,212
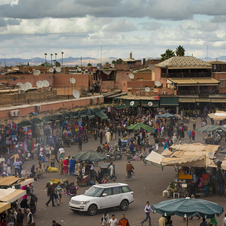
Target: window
x,y
94,191
222,84
108,191
126,189
117,190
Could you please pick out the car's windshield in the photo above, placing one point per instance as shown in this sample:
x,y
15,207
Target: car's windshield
x,y
94,191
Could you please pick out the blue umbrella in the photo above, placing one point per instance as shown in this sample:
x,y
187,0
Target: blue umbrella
x,y
188,208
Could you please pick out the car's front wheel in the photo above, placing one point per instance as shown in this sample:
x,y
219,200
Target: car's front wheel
x,y
92,210
124,205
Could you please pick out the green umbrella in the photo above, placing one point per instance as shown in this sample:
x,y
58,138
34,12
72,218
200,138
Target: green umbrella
x,y
188,208
211,128
140,125
167,115
91,156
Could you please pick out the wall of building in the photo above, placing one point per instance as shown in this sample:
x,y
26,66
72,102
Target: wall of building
x,y
63,81
23,78
48,106
106,86
220,76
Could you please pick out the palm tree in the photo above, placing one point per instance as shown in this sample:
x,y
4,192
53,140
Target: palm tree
x,y
62,57
168,54
180,51
45,56
51,58
55,57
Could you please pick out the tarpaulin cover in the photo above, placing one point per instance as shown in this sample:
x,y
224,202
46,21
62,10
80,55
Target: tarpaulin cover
x,y
91,156
154,157
188,208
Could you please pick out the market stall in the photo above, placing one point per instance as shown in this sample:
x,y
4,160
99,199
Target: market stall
x,y
11,195
4,206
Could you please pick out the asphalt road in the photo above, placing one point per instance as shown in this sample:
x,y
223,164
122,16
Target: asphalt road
x,y
148,184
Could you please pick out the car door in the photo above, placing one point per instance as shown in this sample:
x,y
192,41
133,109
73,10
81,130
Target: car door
x,y
106,201
117,196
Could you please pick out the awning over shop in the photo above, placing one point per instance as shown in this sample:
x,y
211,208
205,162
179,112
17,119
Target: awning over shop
x,y
4,206
100,114
206,100
150,103
7,181
169,101
218,100
187,100
219,115
11,195
154,157
90,115
207,81
82,114
193,81
118,107
132,103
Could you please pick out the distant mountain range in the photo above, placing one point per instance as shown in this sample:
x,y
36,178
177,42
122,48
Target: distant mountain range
x,y
72,61
69,61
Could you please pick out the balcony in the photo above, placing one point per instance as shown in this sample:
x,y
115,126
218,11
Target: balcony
x,y
197,92
185,75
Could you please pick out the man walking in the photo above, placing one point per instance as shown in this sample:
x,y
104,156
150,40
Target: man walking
x,y
73,190
194,123
113,221
18,167
156,144
19,218
123,221
30,218
189,134
80,143
147,210
50,194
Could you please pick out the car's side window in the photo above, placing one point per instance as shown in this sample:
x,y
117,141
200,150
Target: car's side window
x,y
125,189
117,190
108,191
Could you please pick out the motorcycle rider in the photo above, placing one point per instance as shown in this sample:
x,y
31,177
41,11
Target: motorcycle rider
x,y
129,168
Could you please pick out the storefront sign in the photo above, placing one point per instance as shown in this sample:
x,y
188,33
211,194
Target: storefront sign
x,y
131,103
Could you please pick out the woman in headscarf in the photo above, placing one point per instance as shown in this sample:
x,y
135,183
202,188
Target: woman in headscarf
x,y
166,144
66,166
61,166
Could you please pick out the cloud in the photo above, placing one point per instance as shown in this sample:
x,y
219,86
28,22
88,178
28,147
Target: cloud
x,y
121,26
150,26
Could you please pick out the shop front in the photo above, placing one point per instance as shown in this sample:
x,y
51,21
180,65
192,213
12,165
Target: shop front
x,y
170,103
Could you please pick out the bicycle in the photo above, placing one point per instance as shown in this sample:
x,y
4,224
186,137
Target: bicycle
x,y
129,175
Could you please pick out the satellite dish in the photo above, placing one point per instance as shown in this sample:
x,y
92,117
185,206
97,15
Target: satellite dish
x,y
8,70
19,84
51,70
147,89
58,69
157,83
72,80
79,69
23,87
76,93
211,155
131,76
39,84
36,72
28,85
45,83
98,68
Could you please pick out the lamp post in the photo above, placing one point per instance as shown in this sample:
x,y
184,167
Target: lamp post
x,y
45,56
51,58
62,57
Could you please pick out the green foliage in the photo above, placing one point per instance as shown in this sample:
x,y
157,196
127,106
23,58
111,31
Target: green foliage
x,y
89,64
58,64
118,61
180,51
168,54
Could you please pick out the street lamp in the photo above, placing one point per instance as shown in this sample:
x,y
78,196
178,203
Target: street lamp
x,y
62,57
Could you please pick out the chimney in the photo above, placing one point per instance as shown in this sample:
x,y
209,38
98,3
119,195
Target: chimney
x,y
131,55
144,61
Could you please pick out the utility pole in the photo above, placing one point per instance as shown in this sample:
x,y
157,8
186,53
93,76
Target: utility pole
x,y
81,61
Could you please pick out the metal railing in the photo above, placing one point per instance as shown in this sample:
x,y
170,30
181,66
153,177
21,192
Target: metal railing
x,y
185,75
197,92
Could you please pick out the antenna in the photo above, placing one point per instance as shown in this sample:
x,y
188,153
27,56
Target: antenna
x,y
51,70
28,85
36,72
131,76
76,94
158,84
147,89
58,69
72,80
39,84
45,83
81,61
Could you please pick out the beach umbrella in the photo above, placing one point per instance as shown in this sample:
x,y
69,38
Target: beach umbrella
x,y
187,207
139,126
91,156
211,128
167,115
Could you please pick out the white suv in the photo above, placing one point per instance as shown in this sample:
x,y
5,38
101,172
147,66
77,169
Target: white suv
x,y
103,196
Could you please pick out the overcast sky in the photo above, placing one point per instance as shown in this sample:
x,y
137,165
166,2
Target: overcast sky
x,y
30,28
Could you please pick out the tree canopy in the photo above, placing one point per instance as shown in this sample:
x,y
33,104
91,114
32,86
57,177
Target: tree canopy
x,y
168,54
118,61
89,64
180,51
58,64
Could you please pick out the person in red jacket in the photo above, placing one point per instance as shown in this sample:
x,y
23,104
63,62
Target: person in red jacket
x,y
123,221
193,135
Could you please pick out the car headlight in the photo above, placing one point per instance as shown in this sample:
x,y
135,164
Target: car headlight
x,y
84,203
